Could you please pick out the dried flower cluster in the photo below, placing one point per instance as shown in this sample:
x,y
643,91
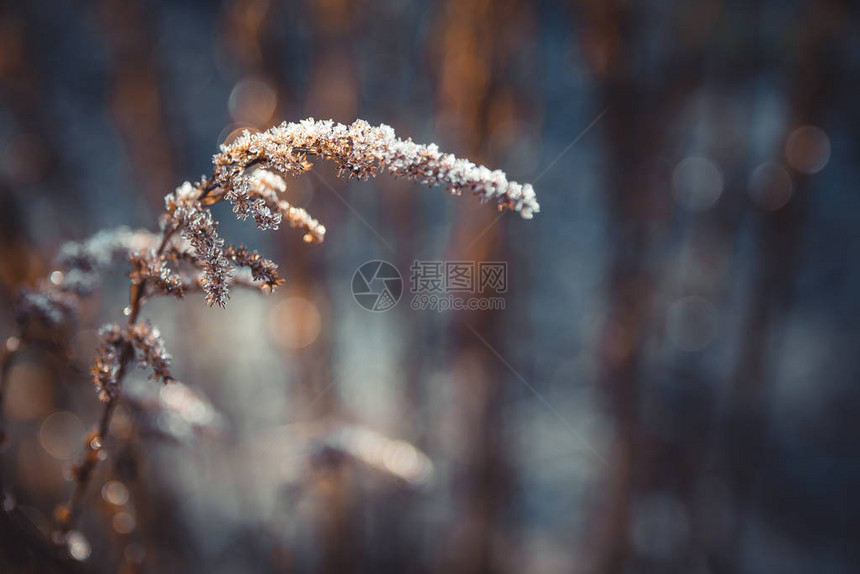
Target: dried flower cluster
x,y
257,195
148,267
262,269
116,347
80,266
186,214
247,175
361,150
189,254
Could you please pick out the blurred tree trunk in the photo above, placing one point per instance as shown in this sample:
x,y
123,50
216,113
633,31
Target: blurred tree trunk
x,y
477,45
642,100
743,447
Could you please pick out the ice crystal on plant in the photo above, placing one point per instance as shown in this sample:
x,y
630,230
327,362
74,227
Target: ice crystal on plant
x,y
150,350
80,268
85,260
247,201
139,342
362,151
108,363
256,195
245,175
147,266
262,269
185,213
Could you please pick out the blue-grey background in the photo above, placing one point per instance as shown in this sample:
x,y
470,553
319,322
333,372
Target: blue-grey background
x,y
671,386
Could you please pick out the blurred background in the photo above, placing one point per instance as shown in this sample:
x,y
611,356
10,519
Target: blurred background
x,y
671,386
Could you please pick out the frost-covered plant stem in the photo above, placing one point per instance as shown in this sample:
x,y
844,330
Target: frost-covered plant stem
x,y
65,514
247,173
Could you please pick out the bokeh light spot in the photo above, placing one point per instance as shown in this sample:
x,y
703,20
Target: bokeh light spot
x,y
61,434
252,101
229,134
29,392
115,492
697,183
123,522
79,547
807,149
295,322
770,186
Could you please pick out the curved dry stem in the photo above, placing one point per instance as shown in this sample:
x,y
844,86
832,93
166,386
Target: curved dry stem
x,y
362,151
359,150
